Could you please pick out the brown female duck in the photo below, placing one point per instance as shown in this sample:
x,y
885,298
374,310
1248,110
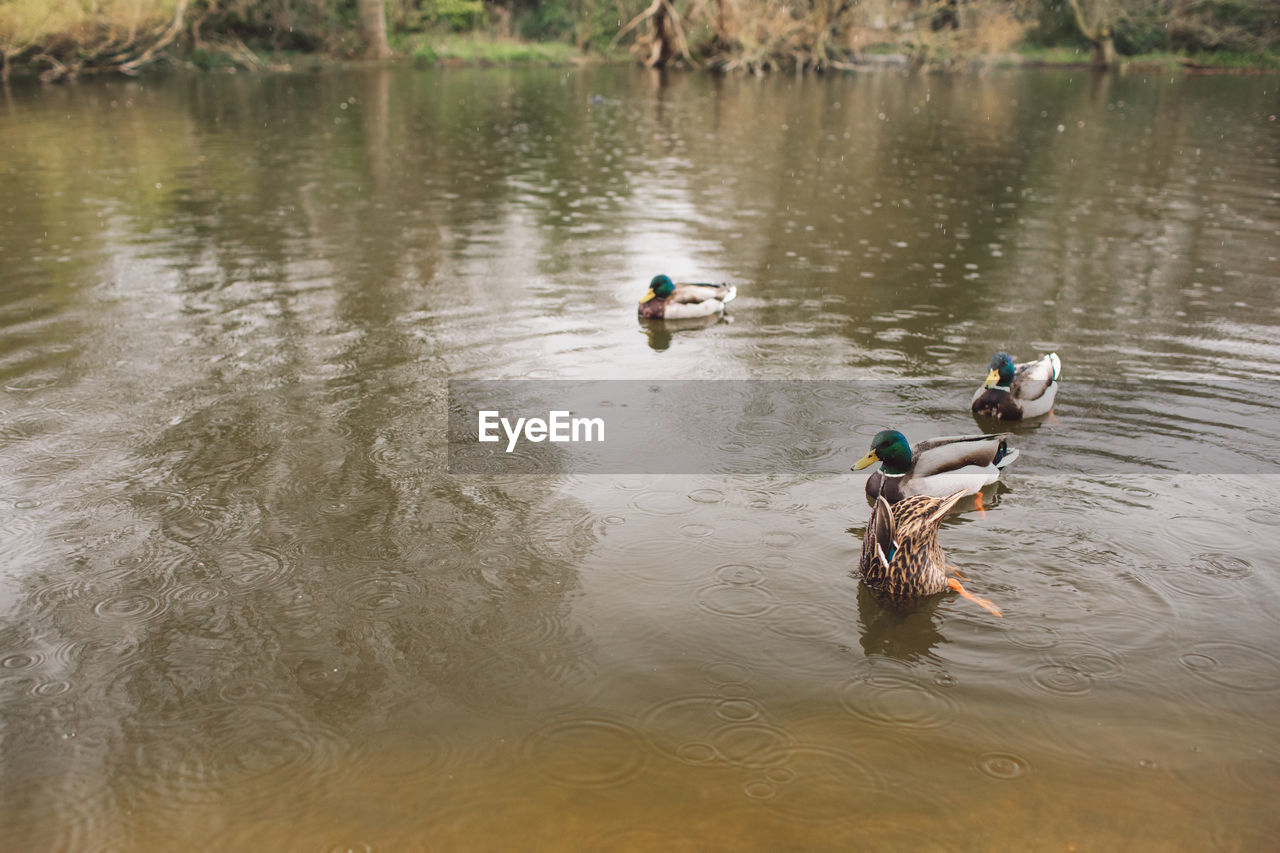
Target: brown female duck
x,y
901,558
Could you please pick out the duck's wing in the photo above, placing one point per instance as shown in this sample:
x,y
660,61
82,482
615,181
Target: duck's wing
x,y
952,453
933,519
919,531
702,292
919,563
1035,379
878,542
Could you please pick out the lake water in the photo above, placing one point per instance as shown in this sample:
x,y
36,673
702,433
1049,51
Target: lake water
x,y
245,603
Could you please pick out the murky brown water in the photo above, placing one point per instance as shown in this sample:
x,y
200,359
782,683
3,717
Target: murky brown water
x,y
244,606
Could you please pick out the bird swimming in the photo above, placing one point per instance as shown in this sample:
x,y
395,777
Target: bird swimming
x,y
667,300
935,467
901,558
1012,392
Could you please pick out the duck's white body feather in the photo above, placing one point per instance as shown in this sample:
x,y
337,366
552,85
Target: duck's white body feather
x,y
942,466
970,478
1035,384
695,300
687,302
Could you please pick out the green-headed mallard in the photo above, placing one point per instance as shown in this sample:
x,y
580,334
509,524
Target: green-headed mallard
x,y
935,467
901,558
666,300
1016,391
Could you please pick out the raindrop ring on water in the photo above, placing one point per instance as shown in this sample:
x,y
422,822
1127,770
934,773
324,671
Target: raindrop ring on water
x,y
1003,765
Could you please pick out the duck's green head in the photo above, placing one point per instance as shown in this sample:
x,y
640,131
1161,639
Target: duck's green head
x,y
661,287
1001,371
891,450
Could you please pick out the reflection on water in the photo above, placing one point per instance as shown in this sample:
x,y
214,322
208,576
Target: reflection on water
x,y
242,602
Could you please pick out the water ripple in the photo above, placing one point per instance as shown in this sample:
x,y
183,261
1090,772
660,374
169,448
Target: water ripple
x,y
656,502
1193,582
68,813
780,539
829,785
404,758
1193,532
897,700
740,602
1004,766
591,752
736,574
1227,767
262,742
1224,566
1062,679
136,607
381,594
726,672
1093,660
1032,636
253,568
1234,666
751,745
809,620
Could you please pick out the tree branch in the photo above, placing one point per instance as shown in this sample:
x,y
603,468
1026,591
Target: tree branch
x,y
169,35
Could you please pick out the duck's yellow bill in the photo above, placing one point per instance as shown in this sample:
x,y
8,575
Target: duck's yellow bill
x,y
865,461
648,294
993,379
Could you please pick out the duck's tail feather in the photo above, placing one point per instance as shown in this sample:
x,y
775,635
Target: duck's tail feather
x,y
944,506
1005,454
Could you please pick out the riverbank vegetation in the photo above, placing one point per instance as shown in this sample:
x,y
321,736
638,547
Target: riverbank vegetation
x,y
63,38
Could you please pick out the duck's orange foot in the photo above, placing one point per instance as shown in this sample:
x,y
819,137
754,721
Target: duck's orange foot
x,y
1051,419
981,602
956,572
977,504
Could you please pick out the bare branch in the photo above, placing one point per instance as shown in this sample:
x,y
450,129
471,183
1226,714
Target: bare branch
x,y
169,35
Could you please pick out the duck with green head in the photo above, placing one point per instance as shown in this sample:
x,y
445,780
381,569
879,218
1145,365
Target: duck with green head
x,y
1012,392
936,467
667,300
901,558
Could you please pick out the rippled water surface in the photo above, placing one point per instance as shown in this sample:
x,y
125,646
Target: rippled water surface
x,y
245,605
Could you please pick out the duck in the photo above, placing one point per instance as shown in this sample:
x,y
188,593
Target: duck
x,y
666,300
901,559
1016,391
935,467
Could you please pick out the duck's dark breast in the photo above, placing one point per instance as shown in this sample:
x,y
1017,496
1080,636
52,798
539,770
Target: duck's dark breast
x,y
653,309
890,487
997,404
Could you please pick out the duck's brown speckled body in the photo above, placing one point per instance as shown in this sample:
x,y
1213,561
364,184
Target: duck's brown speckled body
x,y
901,556
901,560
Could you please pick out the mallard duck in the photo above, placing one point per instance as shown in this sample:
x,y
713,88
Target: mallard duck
x,y
935,467
901,557
666,300
1016,391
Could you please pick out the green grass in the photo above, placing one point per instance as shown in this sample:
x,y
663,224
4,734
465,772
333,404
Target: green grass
x,y
1172,61
1055,55
482,50
1225,59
